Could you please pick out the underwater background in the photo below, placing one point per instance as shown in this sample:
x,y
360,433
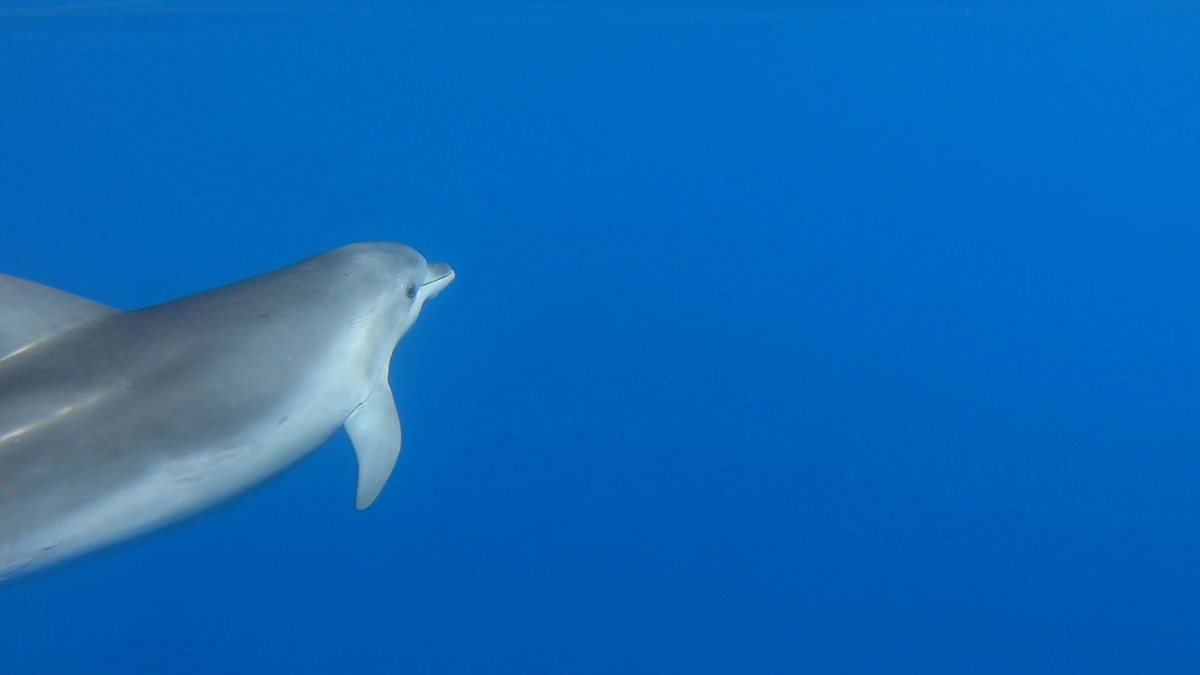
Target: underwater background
x,y
840,337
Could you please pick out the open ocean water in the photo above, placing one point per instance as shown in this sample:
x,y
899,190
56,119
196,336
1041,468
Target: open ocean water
x,y
840,337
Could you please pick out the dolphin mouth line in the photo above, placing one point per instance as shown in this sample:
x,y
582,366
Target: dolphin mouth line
x,y
444,272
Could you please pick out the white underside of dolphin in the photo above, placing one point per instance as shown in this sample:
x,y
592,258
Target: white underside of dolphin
x,y
114,424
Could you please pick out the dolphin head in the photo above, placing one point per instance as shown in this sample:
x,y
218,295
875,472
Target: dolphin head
x,y
397,280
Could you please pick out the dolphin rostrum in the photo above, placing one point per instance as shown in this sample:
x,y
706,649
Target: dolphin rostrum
x,y
113,424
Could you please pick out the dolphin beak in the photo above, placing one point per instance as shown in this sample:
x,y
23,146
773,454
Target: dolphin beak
x,y
440,275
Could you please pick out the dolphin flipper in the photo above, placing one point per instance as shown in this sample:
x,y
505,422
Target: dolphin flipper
x,y
374,430
30,312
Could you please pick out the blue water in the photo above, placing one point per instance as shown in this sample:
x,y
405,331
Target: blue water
x,y
844,338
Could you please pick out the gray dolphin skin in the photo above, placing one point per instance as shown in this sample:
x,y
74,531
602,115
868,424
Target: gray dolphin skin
x,y
114,424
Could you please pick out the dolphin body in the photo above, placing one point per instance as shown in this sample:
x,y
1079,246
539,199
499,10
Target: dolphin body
x,y
114,424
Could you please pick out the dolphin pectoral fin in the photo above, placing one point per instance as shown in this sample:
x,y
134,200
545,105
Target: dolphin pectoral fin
x,y
30,312
374,430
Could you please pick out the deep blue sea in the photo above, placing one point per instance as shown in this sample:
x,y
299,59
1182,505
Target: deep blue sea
x,y
840,337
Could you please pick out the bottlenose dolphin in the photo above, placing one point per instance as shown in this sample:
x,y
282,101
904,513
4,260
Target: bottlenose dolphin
x,y
113,424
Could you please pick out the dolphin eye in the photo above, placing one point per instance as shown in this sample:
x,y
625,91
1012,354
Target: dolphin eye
x,y
411,291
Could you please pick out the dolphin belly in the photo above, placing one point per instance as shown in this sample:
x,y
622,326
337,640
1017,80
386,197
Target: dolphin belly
x,y
105,472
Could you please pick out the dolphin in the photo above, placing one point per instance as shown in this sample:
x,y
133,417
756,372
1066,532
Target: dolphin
x,y
114,424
